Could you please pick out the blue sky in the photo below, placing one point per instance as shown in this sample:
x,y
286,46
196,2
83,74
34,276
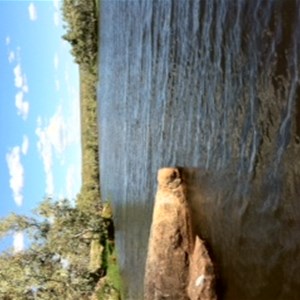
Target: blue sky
x,y
40,151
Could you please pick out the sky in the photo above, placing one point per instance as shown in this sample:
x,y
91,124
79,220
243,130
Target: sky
x,y
40,152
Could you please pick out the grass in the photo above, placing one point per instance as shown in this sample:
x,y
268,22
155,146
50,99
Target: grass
x,y
112,283
110,287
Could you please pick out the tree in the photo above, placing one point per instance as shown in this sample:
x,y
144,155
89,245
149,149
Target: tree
x,y
82,30
56,263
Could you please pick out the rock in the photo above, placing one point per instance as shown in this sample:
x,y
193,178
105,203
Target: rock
x,y
178,266
202,281
96,251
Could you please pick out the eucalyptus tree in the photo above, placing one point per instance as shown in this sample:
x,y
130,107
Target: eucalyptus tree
x,y
55,264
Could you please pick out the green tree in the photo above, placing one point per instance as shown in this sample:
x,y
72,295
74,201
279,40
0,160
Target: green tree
x,y
56,263
82,30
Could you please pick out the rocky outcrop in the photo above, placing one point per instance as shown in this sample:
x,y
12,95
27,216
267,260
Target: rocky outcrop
x,y
178,266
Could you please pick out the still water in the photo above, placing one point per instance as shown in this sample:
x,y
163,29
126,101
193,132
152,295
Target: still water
x,y
212,86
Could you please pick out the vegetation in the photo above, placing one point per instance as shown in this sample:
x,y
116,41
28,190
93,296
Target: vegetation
x,y
82,30
56,264
71,253
81,17
89,199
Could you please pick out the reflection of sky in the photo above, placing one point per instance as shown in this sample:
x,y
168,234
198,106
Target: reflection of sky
x,y
39,108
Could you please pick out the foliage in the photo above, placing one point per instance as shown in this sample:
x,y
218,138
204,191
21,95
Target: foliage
x,y
81,20
82,33
111,284
89,199
82,30
55,266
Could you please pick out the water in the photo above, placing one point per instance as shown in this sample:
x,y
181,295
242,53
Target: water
x,y
212,86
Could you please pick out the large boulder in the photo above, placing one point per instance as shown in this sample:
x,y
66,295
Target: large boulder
x,y
178,265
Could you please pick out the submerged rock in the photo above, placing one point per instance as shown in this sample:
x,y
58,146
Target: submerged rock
x,y
178,266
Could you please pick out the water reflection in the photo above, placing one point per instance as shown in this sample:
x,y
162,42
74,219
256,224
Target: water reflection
x,y
211,85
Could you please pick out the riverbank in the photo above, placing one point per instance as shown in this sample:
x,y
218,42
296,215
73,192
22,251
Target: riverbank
x,y
82,33
102,253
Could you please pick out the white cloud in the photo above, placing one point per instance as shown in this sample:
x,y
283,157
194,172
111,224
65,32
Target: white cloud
x,y
64,44
57,132
21,83
25,85
18,241
32,12
22,106
7,40
49,183
52,138
56,61
16,172
56,15
45,150
56,18
11,56
25,88
18,76
25,145
70,182
56,4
